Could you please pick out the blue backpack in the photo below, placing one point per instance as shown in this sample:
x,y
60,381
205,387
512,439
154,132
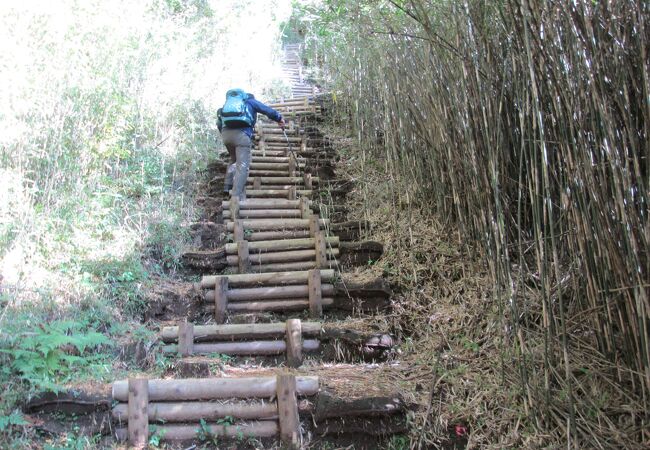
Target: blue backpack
x,y
235,113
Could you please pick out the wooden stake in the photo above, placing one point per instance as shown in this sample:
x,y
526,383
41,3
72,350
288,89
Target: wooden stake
x,y
234,207
221,300
238,232
314,226
291,193
309,182
292,165
294,343
304,207
315,294
185,338
138,426
321,249
243,256
288,411
257,183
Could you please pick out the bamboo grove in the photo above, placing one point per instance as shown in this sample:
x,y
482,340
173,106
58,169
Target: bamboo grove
x,y
525,125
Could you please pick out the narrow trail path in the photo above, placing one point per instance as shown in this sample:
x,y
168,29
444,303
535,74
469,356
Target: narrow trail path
x,y
275,351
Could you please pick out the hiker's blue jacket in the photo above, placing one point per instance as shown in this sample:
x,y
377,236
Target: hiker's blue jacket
x,y
254,107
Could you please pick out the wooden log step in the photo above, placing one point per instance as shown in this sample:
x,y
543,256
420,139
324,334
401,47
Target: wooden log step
x,y
275,235
195,411
213,388
257,203
276,137
287,244
270,173
275,159
273,279
268,153
281,257
273,165
276,193
233,332
275,224
283,180
279,267
269,293
262,428
248,348
264,213
272,305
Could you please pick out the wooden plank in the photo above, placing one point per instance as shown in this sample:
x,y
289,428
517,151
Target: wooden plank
x,y
258,259
248,348
181,432
243,257
279,245
294,342
288,411
270,293
138,399
221,300
315,294
185,338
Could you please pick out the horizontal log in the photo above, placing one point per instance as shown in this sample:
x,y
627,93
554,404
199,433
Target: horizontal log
x,y
283,180
264,203
286,244
279,257
272,305
280,267
195,411
265,153
270,293
276,278
273,165
232,332
248,348
275,235
276,193
271,173
275,224
214,388
275,159
265,428
265,213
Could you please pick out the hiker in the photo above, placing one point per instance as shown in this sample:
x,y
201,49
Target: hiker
x,y
235,122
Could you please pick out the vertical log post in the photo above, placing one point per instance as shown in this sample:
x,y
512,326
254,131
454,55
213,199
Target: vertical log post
x,y
185,338
138,426
303,144
243,257
288,411
262,145
294,343
291,193
292,165
321,249
257,183
304,208
234,207
220,300
314,225
315,294
238,232
308,181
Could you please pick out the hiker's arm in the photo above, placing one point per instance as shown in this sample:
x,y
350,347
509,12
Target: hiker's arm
x,y
268,112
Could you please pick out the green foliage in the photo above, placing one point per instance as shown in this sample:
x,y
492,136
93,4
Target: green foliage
x,y
53,353
15,418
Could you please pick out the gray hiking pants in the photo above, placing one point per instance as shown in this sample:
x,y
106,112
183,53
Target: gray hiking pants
x,y
239,149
